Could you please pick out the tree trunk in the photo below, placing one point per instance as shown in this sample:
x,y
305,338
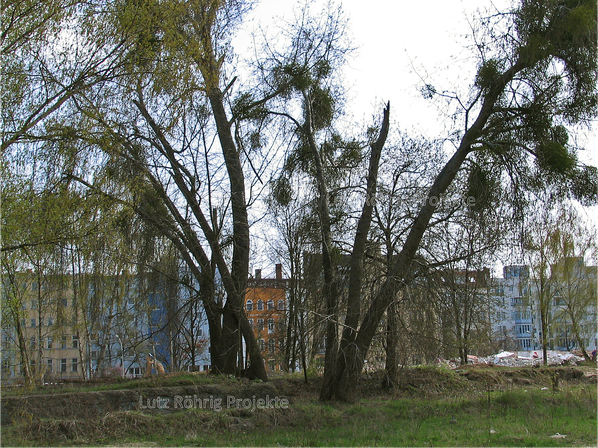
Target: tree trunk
x,y
234,277
229,343
291,330
345,371
335,384
578,338
23,353
213,311
240,261
392,339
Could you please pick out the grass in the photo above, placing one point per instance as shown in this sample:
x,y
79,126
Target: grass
x,y
511,419
179,379
516,417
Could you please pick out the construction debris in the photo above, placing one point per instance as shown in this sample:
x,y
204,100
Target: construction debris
x,y
523,359
517,359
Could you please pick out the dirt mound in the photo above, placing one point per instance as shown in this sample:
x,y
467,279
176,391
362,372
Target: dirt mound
x,y
442,381
297,387
429,380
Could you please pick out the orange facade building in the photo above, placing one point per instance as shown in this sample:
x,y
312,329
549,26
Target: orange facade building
x,y
265,305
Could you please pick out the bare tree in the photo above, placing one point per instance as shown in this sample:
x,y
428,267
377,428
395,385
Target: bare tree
x,y
511,88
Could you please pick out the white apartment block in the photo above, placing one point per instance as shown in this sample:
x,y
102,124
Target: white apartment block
x,y
570,292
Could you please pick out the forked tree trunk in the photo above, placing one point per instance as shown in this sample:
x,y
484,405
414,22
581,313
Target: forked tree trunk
x,y
348,356
340,383
236,284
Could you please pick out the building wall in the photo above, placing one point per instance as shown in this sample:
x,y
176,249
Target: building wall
x,y
513,316
265,306
517,317
123,321
47,321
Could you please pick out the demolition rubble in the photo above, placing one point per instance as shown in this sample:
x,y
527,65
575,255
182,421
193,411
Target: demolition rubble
x,y
524,359
519,359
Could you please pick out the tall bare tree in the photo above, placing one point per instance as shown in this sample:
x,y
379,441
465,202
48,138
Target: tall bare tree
x,y
516,110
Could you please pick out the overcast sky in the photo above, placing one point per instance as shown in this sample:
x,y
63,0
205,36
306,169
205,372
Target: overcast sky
x,y
397,44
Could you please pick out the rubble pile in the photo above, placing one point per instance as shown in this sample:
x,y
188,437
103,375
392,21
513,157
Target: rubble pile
x,y
524,359
517,359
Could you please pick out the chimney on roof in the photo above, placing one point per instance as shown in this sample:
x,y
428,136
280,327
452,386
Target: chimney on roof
x,y
258,274
278,271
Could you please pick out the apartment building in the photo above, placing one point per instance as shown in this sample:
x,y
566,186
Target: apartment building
x,y
40,324
106,325
513,317
265,306
570,297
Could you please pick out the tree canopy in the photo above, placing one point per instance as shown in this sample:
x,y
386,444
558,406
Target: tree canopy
x,y
137,107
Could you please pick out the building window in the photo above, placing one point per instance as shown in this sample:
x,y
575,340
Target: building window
x,y
524,329
260,305
75,341
32,343
64,302
262,345
200,333
33,322
251,323
270,325
281,305
49,342
270,305
74,365
260,324
271,345
135,371
33,305
63,341
526,344
249,305
49,366
50,321
63,365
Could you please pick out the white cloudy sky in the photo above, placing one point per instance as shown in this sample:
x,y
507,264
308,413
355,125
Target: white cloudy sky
x,y
395,43
398,43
